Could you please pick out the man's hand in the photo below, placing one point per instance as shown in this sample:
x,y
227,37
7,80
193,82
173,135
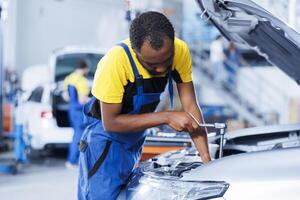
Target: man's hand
x,y
181,121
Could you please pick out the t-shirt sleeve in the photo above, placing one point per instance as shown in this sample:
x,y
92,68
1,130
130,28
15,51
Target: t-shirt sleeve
x,y
110,77
183,63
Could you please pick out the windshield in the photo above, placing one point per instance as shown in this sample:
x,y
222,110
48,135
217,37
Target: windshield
x,y
66,64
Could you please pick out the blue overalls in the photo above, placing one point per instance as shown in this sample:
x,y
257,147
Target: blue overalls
x,y
106,158
76,120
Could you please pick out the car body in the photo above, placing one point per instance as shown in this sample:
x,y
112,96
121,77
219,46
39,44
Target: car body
x,y
255,172
264,161
45,111
39,123
259,139
181,175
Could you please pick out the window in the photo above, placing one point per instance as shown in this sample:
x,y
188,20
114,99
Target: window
x,y
36,95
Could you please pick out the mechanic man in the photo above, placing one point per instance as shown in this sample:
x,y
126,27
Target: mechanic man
x,y
127,87
76,92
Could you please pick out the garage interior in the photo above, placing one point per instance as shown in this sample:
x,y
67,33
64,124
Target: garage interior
x,y
255,108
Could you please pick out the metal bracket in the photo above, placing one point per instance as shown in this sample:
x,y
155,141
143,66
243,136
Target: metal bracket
x,y
202,15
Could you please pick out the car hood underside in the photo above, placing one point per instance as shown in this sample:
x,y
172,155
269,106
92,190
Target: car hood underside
x,y
244,22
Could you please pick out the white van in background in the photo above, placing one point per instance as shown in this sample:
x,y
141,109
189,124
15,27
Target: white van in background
x,y
44,112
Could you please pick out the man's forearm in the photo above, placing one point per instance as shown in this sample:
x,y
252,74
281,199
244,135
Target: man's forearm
x,y
125,123
199,137
200,141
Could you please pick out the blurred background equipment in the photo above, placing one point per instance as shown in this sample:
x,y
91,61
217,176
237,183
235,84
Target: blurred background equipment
x,y
10,165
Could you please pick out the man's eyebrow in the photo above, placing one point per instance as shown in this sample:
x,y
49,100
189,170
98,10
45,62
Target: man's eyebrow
x,y
148,63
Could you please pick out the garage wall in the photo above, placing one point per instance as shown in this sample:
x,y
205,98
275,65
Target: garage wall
x,y
44,25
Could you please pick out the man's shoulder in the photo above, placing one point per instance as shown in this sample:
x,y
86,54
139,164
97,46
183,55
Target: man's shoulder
x,y
75,77
115,53
179,41
180,44
69,77
117,48
115,60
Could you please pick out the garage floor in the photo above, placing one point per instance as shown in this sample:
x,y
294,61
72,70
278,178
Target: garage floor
x,y
44,179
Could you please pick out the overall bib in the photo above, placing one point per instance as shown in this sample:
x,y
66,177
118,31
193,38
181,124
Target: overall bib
x,y
76,120
107,158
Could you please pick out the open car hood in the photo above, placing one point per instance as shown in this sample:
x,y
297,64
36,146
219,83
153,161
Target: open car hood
x,y
244,22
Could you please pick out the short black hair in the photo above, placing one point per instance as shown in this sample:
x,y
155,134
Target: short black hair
x,y
151,26
82,64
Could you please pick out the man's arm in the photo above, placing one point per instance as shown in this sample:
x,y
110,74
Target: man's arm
x,y
114,121
189,104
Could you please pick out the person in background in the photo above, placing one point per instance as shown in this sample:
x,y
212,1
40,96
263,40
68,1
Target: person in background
x,y
217,58
126,91
76,91
233,62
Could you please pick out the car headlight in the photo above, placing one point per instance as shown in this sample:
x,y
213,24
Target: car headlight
x,y
163,189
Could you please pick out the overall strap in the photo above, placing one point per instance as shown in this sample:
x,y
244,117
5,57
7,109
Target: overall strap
x,y
138,78
170,87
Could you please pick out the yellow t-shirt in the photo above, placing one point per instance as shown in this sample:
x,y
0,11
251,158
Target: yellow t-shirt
x,y
79,82
114,78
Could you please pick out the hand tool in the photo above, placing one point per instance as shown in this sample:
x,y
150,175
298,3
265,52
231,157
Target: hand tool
x,y
218,126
